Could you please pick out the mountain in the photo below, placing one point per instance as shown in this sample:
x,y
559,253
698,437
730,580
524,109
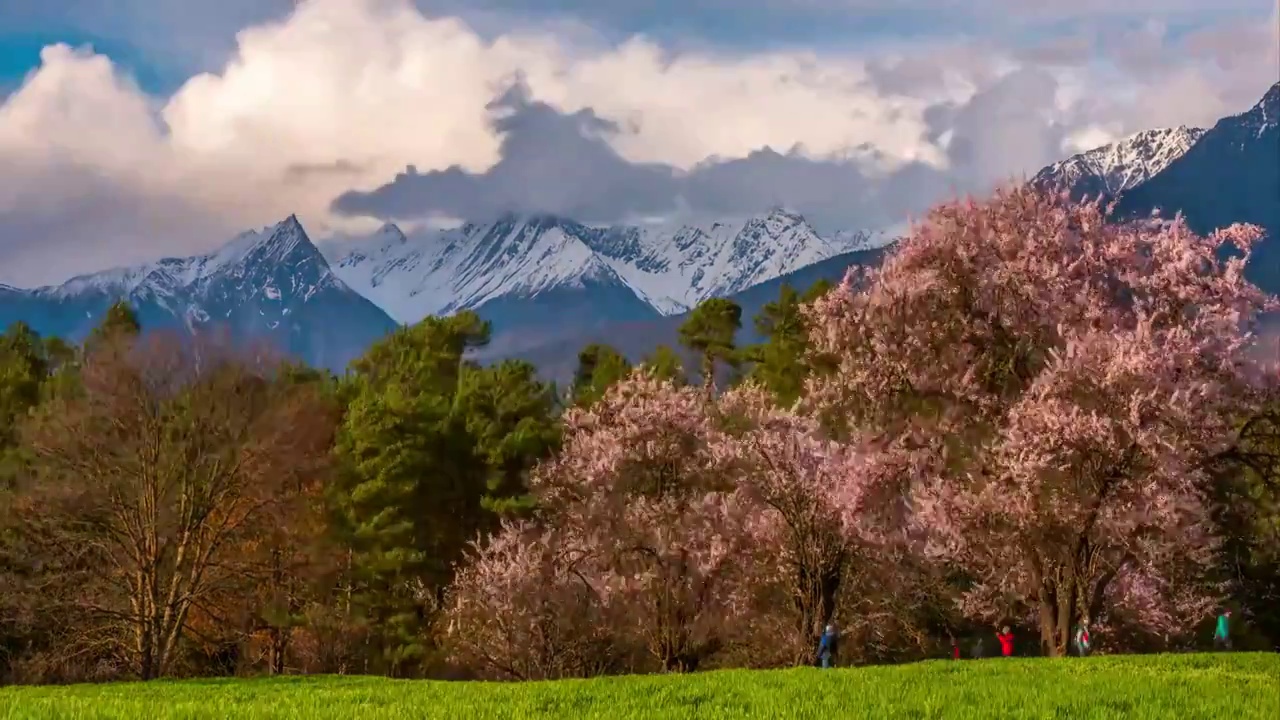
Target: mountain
x,y
1112,169
557,360
543,278
1232,174
272,284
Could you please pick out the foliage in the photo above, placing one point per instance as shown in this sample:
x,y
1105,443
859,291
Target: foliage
x,y
600,367
710,331
829,514
432,446
664,363
142,486
1055,384
781,363
1026,416
640,492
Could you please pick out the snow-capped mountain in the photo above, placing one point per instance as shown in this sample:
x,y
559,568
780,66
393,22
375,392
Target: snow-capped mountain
x,y
546,283
1232,174
668,269
1112,169
273,284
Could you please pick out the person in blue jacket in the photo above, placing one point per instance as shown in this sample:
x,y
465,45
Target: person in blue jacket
x,y
1222,634
828,646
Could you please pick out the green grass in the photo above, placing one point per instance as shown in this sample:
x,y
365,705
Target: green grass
x,y
1238,686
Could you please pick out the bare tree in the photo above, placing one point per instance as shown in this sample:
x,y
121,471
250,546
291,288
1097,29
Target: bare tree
x,y
148,483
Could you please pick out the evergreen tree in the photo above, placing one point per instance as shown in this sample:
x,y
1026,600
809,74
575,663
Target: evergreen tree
x,y
781,363
599,367
24,367
510,417
665,363
120,321
710,331
431,448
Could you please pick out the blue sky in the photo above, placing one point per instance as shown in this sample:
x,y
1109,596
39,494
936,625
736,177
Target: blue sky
x,y
162,41
164,126
161,45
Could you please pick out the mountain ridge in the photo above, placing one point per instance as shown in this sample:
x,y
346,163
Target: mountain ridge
x,y
1112,169
550,284
1231,175
272,284
669,267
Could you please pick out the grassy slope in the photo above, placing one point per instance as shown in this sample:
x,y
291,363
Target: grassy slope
x,y
1238,686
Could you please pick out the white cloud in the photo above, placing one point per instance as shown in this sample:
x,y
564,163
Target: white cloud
x,y
343,94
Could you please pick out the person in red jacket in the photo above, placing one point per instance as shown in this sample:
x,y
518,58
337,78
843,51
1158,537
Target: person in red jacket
x,y
1006,641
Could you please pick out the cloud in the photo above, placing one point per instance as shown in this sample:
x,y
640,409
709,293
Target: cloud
x,y
299,172
563,163
340,96
549,162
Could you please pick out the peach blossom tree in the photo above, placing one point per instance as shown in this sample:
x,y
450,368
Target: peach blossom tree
x,y
1057,381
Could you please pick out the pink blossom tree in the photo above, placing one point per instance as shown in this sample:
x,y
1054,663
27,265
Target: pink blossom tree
x,y
642,481
1067,377
523,609
825,507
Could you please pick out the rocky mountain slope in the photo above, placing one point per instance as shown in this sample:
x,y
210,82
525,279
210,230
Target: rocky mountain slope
x,y
1232,174
541,278
1112,169
271,284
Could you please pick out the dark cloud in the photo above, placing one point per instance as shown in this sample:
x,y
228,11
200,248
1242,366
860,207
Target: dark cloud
x,y
1002,127
563,164
550,162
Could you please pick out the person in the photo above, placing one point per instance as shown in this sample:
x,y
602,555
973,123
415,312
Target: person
x,y
1006,641
828,646
977,649
1082,639
1222,635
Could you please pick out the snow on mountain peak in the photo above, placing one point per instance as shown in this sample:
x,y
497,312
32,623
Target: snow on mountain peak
x,y
1122,165
669,266
256,256
1266,114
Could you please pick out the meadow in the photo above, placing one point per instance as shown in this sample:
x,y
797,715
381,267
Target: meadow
x,y
1239,686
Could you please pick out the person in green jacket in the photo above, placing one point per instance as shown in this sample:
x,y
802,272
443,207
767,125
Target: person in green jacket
x,y
1222,635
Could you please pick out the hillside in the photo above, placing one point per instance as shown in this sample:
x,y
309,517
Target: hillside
x,y
1232,174
557,359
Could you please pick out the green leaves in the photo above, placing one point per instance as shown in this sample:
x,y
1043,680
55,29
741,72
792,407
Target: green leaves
x,y
433,448
600,367
782,363
711,331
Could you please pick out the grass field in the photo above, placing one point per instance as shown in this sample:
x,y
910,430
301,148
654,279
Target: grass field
x,y
1239,686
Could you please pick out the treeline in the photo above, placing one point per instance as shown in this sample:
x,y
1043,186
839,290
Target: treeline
x,y
1027,416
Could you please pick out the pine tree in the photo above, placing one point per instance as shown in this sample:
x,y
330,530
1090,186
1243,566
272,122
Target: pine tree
x,y
599,368
665,363
781,363
710,331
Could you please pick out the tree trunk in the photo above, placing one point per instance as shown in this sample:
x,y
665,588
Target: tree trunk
x,y
1048,624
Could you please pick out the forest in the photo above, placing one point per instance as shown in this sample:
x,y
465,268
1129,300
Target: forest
x,y
1028,415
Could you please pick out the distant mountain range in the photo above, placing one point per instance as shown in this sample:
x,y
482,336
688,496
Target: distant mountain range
x,y
550,285
540,278
270,284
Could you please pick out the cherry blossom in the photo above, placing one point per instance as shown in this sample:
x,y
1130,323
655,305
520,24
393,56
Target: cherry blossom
x,y
1067,377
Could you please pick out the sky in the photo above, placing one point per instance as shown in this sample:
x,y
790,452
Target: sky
x,y
137,129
